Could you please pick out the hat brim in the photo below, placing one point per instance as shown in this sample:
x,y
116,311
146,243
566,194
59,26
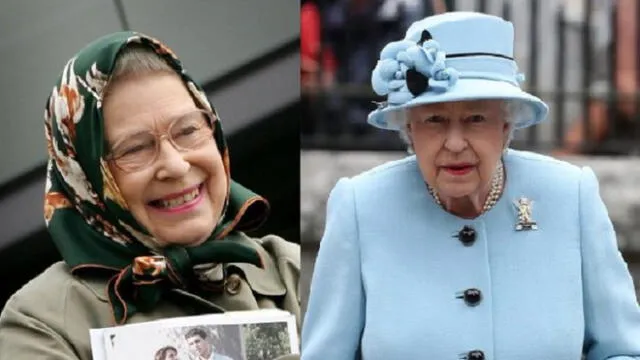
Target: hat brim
x,y
466,90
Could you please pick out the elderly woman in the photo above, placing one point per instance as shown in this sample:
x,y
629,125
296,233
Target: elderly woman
x,y
141,206
467,250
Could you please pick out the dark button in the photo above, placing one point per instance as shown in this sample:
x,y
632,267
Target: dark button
x,y
467,235
232,284
475,355
471,297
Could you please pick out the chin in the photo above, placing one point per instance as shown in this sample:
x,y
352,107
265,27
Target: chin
x,y
458,190
183,235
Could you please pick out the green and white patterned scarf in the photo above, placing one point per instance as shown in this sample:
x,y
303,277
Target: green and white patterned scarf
x,y
87,217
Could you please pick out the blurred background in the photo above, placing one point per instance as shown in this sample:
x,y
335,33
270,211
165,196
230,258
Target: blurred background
x,y
581,56
244,53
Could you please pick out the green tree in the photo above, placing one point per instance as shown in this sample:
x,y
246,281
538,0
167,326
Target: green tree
x,y
266,341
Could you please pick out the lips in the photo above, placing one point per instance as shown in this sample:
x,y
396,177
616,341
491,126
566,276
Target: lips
x,y
177,200
458,169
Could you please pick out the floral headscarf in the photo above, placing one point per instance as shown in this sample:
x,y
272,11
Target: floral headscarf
x,y
87,216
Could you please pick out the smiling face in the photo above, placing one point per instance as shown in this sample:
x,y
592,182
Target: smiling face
x,y
180,196
458,144
171,355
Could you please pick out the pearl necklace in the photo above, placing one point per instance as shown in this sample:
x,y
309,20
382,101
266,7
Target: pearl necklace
x,y
494,193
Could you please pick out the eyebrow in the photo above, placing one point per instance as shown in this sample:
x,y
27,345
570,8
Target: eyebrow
x,y
126,137
167,120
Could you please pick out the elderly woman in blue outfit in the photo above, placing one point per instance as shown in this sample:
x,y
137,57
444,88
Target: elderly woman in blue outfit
x,y
467,250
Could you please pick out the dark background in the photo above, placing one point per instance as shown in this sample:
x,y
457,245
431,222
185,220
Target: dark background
x,y
263,135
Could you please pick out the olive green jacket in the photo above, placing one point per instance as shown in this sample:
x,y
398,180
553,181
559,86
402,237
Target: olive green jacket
x,y
50,317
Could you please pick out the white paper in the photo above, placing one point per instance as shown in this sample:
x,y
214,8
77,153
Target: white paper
x,y
242,335
98,351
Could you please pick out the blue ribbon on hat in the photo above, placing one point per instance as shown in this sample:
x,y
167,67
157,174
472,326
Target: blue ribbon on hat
x,y
406,69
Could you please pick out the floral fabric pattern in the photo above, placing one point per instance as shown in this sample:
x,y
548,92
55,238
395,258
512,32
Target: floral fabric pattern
x,y
406,69
84,210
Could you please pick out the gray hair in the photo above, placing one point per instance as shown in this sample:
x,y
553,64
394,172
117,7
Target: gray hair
x,y
137,59
514,111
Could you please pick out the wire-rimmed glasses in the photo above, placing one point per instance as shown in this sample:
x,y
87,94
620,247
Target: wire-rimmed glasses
x,y
188,132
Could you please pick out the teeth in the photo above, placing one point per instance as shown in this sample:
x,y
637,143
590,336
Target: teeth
x,y
180,200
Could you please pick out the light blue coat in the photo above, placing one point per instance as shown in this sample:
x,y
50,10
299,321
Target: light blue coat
x,y
389,271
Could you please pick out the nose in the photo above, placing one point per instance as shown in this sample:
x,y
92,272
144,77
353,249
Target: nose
x,y
171,162
455,140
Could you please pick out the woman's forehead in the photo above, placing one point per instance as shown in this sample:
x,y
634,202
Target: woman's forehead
x,y
146,122
146,102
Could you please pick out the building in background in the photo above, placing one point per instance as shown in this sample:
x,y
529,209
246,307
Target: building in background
x,y
590,60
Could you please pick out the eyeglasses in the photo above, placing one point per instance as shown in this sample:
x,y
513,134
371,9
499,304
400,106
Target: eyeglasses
x,y
188,132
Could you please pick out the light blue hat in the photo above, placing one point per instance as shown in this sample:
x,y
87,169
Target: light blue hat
x,y
451,57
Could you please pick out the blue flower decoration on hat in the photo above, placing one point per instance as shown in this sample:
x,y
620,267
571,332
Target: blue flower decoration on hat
x,y
407,69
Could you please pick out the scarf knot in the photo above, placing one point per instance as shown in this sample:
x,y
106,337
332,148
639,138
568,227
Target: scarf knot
x,y
140,286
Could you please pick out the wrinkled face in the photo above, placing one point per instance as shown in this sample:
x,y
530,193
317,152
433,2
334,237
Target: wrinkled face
x,y
171,355
458,144
199,346
179,197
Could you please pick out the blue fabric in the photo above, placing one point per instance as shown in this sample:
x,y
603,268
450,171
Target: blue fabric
x,y
389,269
472,76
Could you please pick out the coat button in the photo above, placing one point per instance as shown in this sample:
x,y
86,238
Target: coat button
x,y
233,284
467,235
475,355
472,297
